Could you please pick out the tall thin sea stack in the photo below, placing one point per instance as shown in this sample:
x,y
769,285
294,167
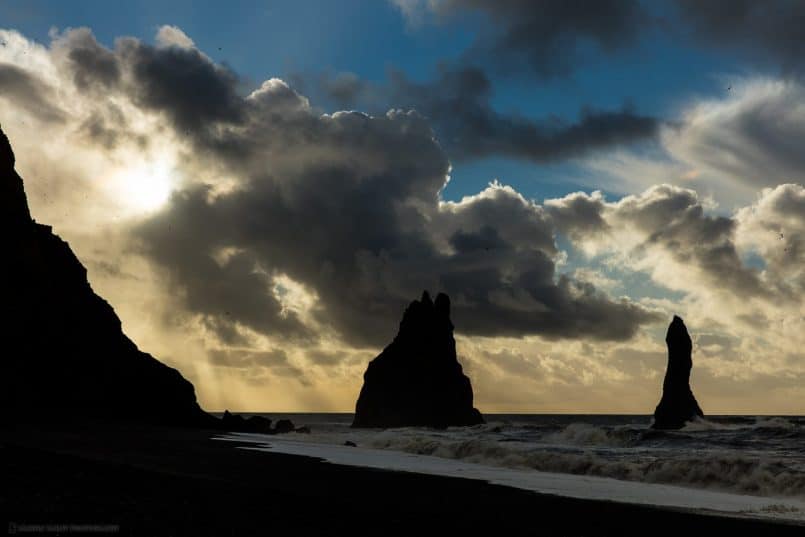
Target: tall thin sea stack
x,y
417,379
678,405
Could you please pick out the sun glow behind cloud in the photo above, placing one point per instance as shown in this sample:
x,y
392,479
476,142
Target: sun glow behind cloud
x,y
144,186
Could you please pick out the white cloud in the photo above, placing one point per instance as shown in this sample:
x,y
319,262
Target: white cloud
x,y
172,36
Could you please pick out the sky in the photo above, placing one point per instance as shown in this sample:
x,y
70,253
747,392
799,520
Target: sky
x,y
260,188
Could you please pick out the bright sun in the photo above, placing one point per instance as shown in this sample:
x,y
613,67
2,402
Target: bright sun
x,y
146,186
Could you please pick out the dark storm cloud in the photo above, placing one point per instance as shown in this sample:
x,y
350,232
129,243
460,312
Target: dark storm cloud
x,y
458,102
707,242
230,290
578,215
484,239
182,83
548,35
365,265
773,27
348,206
178,81
92,65
28,91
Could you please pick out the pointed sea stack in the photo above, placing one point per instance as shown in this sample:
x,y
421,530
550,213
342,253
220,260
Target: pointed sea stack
x,y
64,354
417,380
678,405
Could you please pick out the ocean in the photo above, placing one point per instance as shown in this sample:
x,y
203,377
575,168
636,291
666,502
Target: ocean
x,y
714,463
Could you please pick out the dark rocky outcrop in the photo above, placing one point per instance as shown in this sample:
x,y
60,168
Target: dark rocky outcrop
x,y
258,424
63,351
284,426
417,380
678,405
234,422
252,424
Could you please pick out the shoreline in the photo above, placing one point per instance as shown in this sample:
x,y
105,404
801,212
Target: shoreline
x,y
564,485
164,481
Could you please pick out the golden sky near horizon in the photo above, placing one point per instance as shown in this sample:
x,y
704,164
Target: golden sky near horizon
x,y
267,249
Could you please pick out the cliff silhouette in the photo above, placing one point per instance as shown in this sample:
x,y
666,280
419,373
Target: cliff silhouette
x,y
678,405
65,354
417,379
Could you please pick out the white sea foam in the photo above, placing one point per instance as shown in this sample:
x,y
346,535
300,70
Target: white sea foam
x,y
760,456
585,434
775,423
759,423
562,484
716,470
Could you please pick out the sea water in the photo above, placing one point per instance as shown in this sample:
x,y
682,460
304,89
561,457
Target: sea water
x,y
741,464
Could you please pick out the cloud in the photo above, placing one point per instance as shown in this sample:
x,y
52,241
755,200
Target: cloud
x,y
773,27
579,215
22,88
663,224
307,232
172,36
348,205
555,37
674,220
729,146
458,103
91,65
344,208
246,358
173,78
774,227
751,136
255,365
549,35
182,83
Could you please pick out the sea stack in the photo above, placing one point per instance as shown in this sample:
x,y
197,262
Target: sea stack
x,y
64,353
678,405
417,379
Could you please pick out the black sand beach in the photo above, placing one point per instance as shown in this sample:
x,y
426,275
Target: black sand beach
x,y
141,480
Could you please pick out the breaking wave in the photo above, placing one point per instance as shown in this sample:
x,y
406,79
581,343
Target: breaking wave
x,y
762,456
721,471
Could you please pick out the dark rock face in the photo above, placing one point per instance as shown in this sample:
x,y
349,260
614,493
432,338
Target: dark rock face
x,y
64,353
13,203
417,380
678,405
